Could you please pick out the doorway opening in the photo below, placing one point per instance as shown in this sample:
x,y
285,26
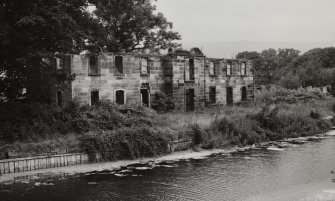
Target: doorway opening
x,y
212,95
229,96
189,99
59,98
244,93
94,97
120,98
145,99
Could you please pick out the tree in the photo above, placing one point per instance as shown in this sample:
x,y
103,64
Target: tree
x,y
315,67
286,56
132,25
290,81
32,31
253,55
270,65
264,64
257,63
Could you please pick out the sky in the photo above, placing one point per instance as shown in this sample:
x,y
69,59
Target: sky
x,y
230,26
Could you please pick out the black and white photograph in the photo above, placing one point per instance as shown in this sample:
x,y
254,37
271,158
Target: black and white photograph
x,y
167,100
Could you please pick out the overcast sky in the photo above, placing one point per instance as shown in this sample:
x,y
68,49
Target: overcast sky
x,y
271,21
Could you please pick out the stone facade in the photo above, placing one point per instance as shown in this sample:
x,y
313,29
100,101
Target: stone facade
x,y
191,79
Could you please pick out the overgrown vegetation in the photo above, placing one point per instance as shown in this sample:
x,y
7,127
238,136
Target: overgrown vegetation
x,y
31,122
282,95
126,143
132,131
162,103
276,115
113,126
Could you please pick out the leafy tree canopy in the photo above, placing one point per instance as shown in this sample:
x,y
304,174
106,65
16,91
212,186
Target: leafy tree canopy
x,y
269,63
292,70
132,25
315,67
32,30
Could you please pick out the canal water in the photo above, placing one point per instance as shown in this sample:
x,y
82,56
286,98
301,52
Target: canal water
x,y
298,172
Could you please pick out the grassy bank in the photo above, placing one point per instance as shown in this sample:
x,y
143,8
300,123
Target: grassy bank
x,y
275,115
131,131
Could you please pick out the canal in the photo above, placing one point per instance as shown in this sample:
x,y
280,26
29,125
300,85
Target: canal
x,y
298,172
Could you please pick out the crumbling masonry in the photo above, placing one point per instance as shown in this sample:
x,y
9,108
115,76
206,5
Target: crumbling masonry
x,y
188,77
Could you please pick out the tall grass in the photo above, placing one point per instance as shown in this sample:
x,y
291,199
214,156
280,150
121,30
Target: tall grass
x,y
132,131
274,116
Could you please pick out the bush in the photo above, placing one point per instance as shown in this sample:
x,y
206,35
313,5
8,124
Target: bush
x,y
126,143
271,122
197,134
162,103
33,122
290,81
287,96
283,122
230,131
28,122
314,115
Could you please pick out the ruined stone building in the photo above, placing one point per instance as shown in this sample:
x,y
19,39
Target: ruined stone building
x,y
188,77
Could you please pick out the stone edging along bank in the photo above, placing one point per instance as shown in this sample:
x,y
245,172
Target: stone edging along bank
x,y
45,162
61,160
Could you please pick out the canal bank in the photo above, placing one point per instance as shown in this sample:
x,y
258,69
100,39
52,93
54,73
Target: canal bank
x,y
48,161
81,162
297,172
42,162
130,132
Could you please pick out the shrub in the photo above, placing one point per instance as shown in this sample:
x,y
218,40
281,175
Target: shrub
x,y
272,122
126,143
282,95
162,103
284,122
32,122
268,119
314,115
238,130
290,81
197,134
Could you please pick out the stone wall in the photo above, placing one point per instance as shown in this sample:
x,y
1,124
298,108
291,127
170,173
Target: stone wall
x,y
63,87
185,77
181,80
43,162
220,81
108,80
